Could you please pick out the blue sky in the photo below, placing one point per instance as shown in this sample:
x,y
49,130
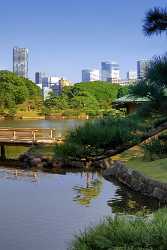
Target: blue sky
x,y
69,35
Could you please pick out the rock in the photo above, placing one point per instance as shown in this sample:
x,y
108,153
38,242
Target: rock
x,y
47,164
36,160
137,181
159,194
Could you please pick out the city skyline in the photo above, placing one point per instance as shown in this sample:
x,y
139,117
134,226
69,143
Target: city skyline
x,y
77,35
21,58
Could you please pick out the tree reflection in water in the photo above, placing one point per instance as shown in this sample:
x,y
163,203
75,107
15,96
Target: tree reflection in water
x,y
127,201
85,194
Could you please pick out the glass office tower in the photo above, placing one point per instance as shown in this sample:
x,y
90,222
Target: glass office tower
x,y
20,61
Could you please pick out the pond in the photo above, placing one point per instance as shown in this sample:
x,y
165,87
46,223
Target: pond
x,y
61,126
40,210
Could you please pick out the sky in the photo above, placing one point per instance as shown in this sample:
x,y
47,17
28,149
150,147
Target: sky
x,y
66,36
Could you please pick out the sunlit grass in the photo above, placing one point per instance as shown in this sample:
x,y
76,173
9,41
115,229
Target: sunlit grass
x,y
134,158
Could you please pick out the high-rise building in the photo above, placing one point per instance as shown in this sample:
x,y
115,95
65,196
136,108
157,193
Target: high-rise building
x,y
90,75
38,77
57,87
142,67
110,71
46,92
54,80
20,61
132,75
45,81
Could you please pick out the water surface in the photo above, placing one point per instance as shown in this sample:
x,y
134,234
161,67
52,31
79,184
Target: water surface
x,y
43,211
40,211
61,126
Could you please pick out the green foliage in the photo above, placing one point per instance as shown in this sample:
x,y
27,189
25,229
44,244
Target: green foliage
x,y
156,148
155,21
74,151
126,234
154,86
16,90
86,97
97,136
122,91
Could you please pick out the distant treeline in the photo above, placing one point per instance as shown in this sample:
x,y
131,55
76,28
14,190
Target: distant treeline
x,y
90,98
19,96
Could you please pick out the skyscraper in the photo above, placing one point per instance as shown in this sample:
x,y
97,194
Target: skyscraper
x,y
38,77
142,67
110,71
132,75
90,75
20,61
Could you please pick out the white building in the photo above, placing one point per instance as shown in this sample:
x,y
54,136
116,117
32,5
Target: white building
x,y
46,92
142,67
90,75
39,85
54,80
132,75
110,72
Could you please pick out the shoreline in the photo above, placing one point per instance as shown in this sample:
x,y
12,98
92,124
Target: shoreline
x,y
136,181
50,118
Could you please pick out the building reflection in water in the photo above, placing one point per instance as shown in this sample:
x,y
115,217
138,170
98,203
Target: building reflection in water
x,y
18,174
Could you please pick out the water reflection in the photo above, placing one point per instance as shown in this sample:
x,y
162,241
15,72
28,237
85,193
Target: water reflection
x,y
129,202
89,189
85,194
19,174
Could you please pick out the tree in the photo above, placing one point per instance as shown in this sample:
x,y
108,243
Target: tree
x,y
155,21
154,86
122,91
17,90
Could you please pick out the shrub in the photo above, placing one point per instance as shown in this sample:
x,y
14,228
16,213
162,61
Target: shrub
x,y
126,234
99,135
156,147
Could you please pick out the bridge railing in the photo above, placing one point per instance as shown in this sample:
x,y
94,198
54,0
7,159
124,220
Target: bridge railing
x,y
29,134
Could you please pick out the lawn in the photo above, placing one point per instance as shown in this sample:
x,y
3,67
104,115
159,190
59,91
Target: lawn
x,y
134,159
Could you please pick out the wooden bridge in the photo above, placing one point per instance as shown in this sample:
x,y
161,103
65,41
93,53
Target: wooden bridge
x,y
27,137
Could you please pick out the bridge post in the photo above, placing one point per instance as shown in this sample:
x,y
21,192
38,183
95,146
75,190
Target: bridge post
x,y
14,135
51,134
3,155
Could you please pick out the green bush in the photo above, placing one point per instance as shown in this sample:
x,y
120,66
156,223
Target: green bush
x,y
126,234
156,147
71,113
102,134
69,151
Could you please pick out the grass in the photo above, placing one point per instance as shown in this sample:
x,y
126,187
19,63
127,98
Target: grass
x,y
121,233
42,150
29,114
134,159
13,152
